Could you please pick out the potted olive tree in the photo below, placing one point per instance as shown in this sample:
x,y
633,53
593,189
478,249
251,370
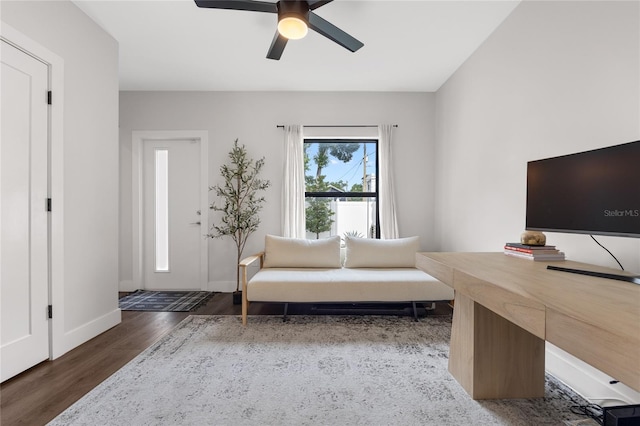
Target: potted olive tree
x,y
239,203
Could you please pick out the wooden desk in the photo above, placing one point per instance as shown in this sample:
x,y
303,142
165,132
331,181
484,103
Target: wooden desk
x,y
505,309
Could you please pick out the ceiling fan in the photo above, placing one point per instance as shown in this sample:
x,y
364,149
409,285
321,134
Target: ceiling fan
x,y
294,19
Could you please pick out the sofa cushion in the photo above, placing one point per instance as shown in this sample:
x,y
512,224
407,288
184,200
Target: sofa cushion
x,y
372,253
345,285
281,252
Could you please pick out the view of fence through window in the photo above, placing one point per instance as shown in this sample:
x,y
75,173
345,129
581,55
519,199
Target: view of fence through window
x,y
341,188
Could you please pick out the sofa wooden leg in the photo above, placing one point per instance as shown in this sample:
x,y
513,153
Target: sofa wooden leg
x,y
245,308
245,301
415,312
286,308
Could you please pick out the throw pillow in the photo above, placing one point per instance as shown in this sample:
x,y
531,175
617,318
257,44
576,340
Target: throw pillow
x,y
372,253
281,252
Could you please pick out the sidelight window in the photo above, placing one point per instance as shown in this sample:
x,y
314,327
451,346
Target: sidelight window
x,y
162,210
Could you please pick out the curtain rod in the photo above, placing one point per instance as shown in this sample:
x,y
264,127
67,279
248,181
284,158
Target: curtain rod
x,y
281,126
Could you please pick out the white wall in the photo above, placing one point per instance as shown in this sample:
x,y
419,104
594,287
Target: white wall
x,y
87,291
252,117
554,78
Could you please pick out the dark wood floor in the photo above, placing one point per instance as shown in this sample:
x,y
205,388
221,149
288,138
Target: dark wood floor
x,y
41,393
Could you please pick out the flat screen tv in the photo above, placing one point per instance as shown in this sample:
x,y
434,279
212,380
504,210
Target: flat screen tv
x,y
592,192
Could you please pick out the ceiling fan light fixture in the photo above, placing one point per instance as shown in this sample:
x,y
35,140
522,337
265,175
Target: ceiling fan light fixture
x,y
295,17
292,27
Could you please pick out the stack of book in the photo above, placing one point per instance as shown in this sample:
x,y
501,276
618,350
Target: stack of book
x,y
540,253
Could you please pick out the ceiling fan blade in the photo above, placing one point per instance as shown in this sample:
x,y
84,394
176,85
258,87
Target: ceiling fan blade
x,y
314,4
277,46
334,33
254,6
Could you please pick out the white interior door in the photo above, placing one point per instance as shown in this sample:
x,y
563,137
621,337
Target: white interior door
x,y
172,223
24,276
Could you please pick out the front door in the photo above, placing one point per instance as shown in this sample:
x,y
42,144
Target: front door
x,y
172,218
24,266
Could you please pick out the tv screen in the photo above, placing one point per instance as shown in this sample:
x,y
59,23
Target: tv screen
x,y
591,192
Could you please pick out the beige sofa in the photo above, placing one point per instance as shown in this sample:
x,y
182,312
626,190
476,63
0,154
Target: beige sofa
x,y
312,271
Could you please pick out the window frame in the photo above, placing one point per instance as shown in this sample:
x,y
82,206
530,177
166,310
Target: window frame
x,y
376,194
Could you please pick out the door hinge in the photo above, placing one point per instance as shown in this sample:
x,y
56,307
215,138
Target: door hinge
x,y
49,97
50,311
48,204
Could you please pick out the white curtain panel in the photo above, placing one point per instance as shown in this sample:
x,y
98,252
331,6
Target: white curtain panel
x,y
387,207
293,219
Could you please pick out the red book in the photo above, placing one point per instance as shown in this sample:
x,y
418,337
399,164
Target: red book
x,y
529,247
533,251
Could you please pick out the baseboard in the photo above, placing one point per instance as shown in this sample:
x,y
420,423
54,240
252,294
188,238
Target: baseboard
x,y
222,286
127,285
74,338
586,380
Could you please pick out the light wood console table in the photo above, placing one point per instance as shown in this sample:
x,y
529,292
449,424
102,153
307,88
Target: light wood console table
x,y
505,309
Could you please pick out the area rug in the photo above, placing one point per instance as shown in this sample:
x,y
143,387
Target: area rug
x,y
163,301
311,370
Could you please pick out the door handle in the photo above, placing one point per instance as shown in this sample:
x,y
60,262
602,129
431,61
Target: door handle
x,y
194,223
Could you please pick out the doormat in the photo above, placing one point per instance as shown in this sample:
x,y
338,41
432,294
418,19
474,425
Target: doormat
x,y
164,301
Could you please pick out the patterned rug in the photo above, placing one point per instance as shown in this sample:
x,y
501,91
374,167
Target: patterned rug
x,y
312,370
163,301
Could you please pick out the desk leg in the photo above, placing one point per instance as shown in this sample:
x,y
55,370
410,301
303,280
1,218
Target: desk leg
x,y
491,357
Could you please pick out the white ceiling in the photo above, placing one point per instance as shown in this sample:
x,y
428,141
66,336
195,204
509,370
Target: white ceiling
x,y
408,45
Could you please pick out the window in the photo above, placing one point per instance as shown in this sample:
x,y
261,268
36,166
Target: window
x,y
162,210
341,189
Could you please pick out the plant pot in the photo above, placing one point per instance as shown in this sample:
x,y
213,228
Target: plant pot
x,y
237,298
